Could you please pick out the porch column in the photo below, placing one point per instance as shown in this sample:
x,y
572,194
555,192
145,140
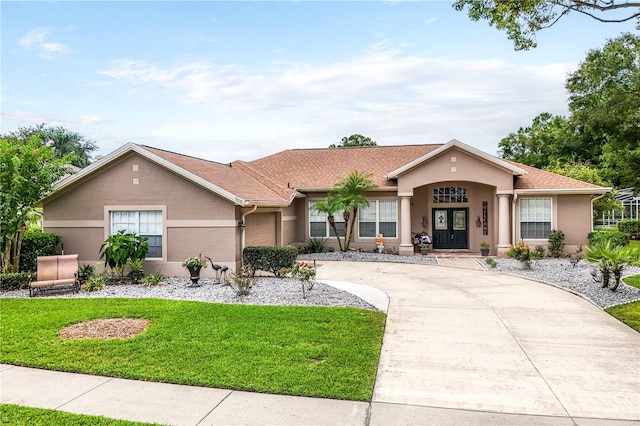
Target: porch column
x,y
504,222
406,245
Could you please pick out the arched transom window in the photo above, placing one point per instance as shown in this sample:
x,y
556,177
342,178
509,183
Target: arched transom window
x,y
450,194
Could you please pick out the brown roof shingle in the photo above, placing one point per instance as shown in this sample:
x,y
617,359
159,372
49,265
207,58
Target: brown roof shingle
x,y
541,179
233,179
322,168
275,178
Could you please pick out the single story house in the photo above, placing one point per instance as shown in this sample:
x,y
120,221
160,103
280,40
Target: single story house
x,y
457,194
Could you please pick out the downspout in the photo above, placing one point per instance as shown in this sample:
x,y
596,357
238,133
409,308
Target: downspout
x,y
592,200
242,227
513,219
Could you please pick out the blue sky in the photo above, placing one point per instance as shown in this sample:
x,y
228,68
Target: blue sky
x,y
241,80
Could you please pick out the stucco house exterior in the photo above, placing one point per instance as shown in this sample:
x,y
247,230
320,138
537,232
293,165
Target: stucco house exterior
x,y
457,194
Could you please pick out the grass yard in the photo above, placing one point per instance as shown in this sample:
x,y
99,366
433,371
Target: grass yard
x,y
629,313
17,415
633,280
310,351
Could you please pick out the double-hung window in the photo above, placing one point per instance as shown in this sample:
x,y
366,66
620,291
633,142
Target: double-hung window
x,y
146,223
535,218
319,225
380,217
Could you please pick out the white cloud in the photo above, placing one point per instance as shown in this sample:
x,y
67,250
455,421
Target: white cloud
x,y
393,98
28,118
38,40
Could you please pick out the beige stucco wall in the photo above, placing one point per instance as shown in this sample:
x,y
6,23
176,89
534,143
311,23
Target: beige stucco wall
x,y
571,215
195,220
455,165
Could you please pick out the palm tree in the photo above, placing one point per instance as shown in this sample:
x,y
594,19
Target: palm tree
x,y
612,259
597,253
330,206
347,197
350,192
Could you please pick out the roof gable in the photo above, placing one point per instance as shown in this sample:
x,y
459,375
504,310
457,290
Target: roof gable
x,y
464,147
223,180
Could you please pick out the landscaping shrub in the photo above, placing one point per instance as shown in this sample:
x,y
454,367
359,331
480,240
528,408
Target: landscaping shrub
x,y
315,245
269,258
14,281
523,253
123,247
86,272
631,228
37,243
616,237
556,243
241,282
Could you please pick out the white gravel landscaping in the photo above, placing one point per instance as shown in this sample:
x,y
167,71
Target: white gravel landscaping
x,y
288,291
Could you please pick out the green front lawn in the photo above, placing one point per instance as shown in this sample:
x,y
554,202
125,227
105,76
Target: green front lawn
x,y
629,313
633,280
17,415
310,351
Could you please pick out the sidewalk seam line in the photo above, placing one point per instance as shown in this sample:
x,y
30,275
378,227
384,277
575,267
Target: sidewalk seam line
x,y
535,367
84,393
214,407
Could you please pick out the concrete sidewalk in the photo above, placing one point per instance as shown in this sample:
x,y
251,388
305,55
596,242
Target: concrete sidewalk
x,y
461,347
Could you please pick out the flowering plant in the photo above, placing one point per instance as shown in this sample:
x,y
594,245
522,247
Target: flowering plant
x,y
194,262
523,253
303,271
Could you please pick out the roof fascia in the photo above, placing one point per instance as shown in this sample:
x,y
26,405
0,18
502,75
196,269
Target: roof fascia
x,y
564,191
462,146
132,147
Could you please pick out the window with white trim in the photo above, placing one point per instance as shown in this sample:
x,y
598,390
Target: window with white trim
x,y
380,217
450,194
146,223
535,218
319,225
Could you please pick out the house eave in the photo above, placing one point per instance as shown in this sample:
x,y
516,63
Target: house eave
x,y
564,191
517,171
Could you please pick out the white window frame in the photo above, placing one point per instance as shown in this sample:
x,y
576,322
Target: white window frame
x,y
377,220
110,230
327,228
520,217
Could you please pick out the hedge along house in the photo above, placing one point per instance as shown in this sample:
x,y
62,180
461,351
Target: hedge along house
x,y
457,194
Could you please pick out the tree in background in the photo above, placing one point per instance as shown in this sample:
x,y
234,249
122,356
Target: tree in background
x,y
603,128
28,170
354,140
549,139
522,19
64,142
588,173
604,101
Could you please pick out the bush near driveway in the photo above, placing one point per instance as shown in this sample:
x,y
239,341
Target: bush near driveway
x,y
309,351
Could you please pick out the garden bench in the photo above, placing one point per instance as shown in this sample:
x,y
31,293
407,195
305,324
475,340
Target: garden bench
x,y
56,272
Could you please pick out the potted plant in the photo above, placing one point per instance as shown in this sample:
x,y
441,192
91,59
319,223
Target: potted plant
x,y
424,248
484,248
194,264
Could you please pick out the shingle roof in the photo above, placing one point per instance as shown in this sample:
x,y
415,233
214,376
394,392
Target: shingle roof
x,y
322,168
541,179
233,179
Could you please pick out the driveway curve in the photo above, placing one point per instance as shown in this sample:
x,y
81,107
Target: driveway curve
x,y
489,343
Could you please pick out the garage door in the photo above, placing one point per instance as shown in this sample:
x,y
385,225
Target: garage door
x,y
260,229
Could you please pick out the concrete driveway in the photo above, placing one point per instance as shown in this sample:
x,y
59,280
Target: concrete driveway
x,y
470,347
